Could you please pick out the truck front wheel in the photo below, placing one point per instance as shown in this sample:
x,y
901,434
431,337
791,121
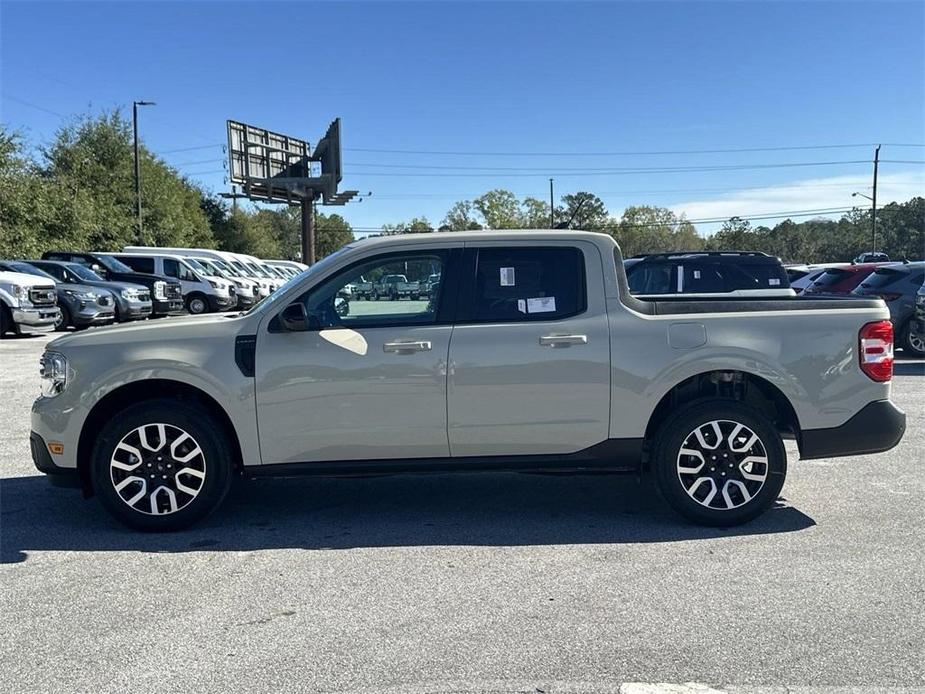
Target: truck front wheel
x,y
719,462
161,465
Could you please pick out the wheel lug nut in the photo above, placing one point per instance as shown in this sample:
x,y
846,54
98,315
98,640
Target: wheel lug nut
x,y
712,469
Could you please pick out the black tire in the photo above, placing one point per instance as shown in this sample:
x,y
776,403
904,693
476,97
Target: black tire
x,y
197,304
6,320
913,344
726,496
66,319
213,462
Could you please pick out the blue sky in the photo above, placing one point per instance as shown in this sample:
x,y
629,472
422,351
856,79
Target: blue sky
x,y
560,84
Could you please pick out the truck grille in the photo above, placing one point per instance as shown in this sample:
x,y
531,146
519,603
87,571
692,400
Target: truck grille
x,y
43,296
174,291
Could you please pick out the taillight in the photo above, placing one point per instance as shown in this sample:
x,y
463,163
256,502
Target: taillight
x,y
875,347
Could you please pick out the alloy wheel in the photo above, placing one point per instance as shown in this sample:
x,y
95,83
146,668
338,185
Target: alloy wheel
x,y
157,469
722,464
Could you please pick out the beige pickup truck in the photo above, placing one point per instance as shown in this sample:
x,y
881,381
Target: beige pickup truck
x,y
530,355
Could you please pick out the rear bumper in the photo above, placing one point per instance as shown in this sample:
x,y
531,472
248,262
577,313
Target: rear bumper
x,y
878,427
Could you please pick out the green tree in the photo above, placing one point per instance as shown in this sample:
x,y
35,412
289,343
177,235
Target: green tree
x,y
331,233
416,225
582,210
534,214
649,229
460,217
499,209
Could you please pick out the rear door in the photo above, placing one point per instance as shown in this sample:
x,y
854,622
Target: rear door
x,y
529,368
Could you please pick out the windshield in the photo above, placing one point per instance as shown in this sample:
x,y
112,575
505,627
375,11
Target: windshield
x,y
28,269
222,265
259,271
196,265
211,268
243,269
84,273
113,265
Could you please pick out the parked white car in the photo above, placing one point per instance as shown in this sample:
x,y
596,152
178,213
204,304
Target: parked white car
x,y
27,303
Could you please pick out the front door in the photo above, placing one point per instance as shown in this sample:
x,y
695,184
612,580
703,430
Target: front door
x,y
530,355
367,381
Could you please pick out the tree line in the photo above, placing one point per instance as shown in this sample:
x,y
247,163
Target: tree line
x,y
78,193
652,229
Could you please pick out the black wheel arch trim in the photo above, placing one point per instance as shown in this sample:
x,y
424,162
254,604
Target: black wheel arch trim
x,y
877,427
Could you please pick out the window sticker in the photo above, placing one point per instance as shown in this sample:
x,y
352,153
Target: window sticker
x,y
521,305
542,304
774,282
696,274
507,277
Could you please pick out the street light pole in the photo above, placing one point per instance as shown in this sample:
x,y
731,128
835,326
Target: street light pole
x,y
135,105
873,207
552,207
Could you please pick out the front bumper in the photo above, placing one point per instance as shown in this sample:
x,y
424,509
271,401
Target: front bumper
x,y
42,459
222,303
878,427
36,318
245,301
167,307
134,310
94,315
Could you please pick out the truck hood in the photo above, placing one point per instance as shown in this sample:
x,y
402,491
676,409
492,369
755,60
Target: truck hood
x,y
153,331
25,280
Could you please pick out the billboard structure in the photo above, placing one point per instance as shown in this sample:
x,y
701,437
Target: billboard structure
x,y
276,168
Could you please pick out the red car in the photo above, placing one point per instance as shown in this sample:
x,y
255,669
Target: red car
x,y
841,280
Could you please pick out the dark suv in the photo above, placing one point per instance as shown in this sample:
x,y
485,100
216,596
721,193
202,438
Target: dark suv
x,y
897,284
708,273
166,293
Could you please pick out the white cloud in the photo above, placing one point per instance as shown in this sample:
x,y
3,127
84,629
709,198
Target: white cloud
x,y
810,194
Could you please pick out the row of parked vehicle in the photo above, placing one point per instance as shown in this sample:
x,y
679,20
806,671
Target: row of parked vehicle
x,y
67,289
731,274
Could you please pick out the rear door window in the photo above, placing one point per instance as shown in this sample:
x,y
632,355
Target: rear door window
x,y
526,284
139,264
652,278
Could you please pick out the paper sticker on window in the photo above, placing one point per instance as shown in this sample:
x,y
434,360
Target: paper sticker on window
x,y
774,282
696,274
507,277
521,305
542,304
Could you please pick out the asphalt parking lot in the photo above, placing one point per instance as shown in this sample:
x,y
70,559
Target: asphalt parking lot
x,y
470,583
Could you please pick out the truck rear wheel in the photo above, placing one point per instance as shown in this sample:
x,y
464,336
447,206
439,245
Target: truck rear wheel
x,y
161,465
719,462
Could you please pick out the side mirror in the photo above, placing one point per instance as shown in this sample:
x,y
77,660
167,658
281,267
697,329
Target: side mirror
x,y
341,306
98,269
294,318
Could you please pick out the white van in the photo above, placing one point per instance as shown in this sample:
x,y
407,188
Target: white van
x,y
258,287
201,293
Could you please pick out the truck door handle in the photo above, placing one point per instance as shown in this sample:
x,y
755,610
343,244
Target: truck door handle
x,y
407,347
563,340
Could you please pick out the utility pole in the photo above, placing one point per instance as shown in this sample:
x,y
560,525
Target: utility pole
x,y
308,228
873,209
552,207
135,105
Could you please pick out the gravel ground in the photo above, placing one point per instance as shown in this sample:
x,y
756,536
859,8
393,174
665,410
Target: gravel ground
x,y
469,583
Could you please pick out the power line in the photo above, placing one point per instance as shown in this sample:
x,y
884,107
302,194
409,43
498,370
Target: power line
x,y
584,169
623,153
10,97
631,171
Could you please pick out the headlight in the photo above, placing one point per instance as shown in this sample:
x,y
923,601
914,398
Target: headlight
x,y
81,294
160,290
21,293
53,370
130,294
214,284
